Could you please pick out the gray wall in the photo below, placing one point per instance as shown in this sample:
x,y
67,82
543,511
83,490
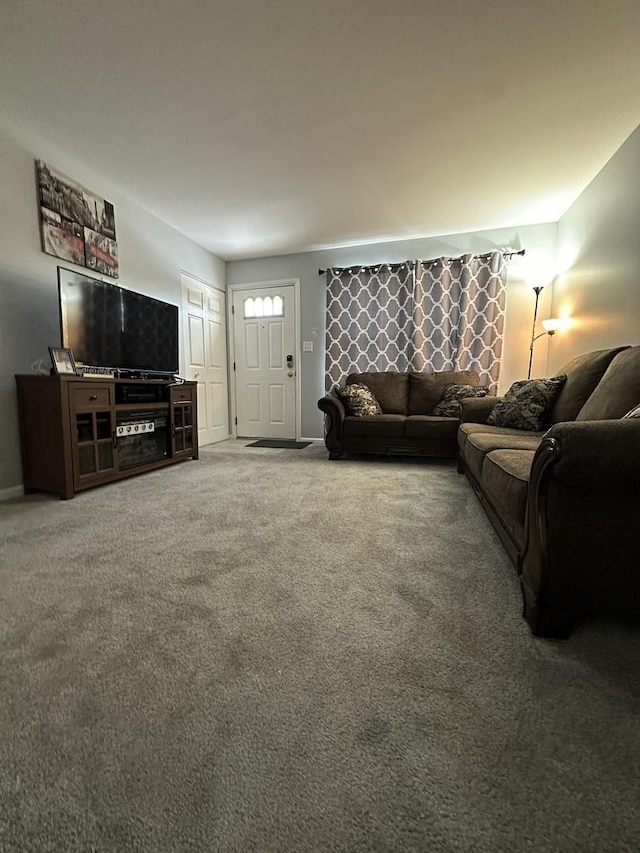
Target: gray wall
x,y
538,240
598,287
151,257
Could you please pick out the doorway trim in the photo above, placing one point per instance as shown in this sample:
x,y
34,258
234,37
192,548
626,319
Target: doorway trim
x,y
231,336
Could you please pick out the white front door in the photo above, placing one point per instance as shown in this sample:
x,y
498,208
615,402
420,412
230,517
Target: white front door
x,y
265,361
205,353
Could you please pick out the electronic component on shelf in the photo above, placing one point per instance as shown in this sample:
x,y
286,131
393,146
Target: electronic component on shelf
x,y
137,392
99,372
134,428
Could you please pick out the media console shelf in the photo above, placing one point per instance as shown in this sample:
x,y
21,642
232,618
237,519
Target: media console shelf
x,y
77,433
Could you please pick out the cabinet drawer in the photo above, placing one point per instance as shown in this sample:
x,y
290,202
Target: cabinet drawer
x,y
182,395
90,396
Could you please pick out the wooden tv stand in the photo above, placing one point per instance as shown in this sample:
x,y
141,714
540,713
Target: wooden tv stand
x,y
78,432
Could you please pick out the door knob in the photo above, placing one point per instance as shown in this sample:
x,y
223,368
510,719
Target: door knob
x,y
290,373
195,375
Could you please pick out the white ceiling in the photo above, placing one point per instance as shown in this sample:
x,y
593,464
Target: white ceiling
x,y
261,127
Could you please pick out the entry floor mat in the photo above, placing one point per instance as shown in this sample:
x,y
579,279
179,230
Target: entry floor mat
x,y
282,443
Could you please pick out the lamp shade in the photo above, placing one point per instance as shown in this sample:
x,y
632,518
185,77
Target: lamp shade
x,y
537,271
552,324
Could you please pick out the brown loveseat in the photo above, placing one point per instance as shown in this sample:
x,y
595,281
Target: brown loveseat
x,y
566,502
405,425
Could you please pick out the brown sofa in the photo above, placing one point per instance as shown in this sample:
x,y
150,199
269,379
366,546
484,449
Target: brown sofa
x,y
566,501
405,425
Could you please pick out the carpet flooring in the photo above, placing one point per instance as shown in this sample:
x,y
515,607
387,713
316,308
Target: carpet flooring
x,y
266,651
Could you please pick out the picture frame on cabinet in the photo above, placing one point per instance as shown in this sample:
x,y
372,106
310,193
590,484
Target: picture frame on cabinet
x,y
63,362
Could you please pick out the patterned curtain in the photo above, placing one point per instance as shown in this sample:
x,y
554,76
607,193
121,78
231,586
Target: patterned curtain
x,y
369,320
446,314
458,320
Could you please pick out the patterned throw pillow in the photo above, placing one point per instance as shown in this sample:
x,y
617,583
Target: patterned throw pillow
x,y
634,413
359,400
449,405
526,404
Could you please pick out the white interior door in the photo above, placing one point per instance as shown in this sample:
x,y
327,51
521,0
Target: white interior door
x,y
265,361
205,353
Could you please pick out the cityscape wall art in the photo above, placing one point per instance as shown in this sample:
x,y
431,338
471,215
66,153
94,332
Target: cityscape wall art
x,y
75,223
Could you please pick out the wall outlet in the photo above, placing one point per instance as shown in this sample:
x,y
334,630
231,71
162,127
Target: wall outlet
x,y
307,346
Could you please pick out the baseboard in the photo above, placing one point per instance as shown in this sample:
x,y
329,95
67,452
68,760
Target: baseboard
x,y
313,440
13,492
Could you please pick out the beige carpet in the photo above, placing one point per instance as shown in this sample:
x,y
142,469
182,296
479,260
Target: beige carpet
x,y
266,651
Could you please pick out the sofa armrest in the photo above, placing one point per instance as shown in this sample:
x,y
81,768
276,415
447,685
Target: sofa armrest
x,y
476,410
583,536
335,413
598,455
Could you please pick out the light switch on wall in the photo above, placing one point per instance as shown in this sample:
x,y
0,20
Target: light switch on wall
x,y
307,346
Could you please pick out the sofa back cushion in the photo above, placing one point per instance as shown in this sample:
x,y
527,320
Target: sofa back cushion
x,y
583,374
426,389
618,391
391,389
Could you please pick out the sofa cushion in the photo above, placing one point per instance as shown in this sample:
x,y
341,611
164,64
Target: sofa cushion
x,y
384,426
505,478
618,390
526,404
449,404
583,374
480,444
358,400
426,389
467,429
390,388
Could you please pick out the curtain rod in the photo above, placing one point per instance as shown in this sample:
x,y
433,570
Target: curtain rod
x,y
430,261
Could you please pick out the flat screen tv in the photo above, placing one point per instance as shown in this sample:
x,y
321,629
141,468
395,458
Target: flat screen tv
x,y
108,326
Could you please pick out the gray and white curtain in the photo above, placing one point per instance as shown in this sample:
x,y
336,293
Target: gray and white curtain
x,y
369,320
446,314
458,321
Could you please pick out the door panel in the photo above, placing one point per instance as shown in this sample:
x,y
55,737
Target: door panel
x,y
217,348
265,385
253,414
218,397
205,331
195,340
252,346
276,345
276,404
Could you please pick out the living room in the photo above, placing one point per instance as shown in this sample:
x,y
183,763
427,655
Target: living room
x,y
287,675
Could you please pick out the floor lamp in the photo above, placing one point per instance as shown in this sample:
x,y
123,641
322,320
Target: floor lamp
x,y
549,327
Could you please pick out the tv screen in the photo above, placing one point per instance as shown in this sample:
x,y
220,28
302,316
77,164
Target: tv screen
x,y
107,326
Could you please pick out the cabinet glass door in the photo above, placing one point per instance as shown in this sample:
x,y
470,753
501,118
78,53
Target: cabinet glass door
x,y
183,432
94,443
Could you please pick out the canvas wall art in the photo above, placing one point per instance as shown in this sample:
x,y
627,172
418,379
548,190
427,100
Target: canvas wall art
x,y
76,224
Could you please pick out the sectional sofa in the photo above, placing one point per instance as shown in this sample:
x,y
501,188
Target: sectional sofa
x,y
566,501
